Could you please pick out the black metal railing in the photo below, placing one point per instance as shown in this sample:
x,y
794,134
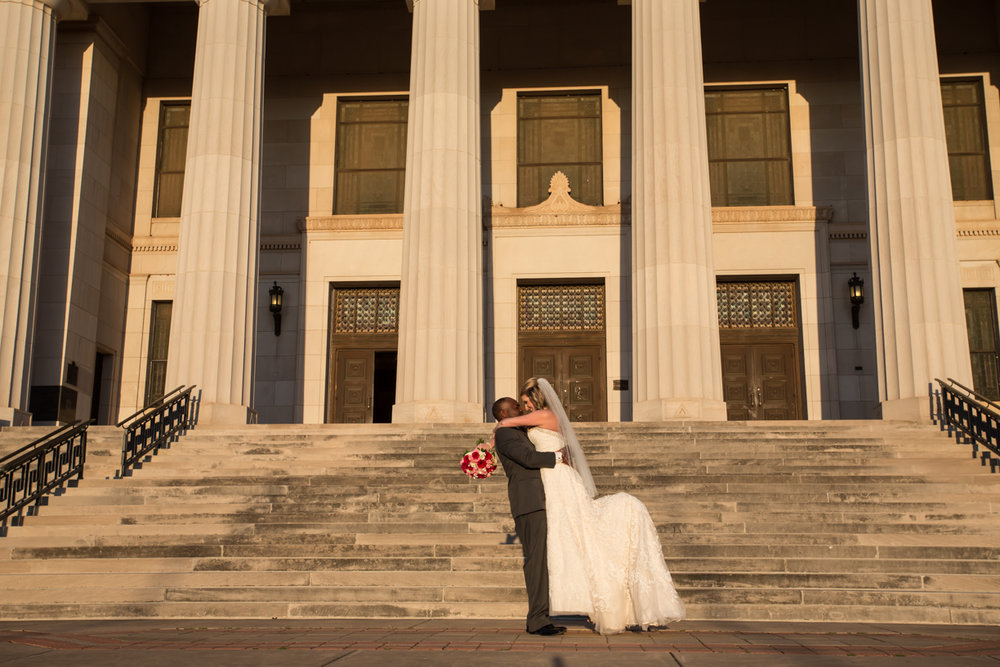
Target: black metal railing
x,y
39,468
154,427
974,417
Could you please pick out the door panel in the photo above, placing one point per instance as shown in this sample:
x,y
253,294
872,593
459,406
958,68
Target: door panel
x,y
760,381
353,388
582,385
737,381
576,373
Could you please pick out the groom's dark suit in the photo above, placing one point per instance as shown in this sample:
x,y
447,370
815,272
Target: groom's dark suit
x,y
522,465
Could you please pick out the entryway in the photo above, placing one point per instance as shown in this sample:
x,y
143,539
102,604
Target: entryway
x,y
561,337
759,330
361,379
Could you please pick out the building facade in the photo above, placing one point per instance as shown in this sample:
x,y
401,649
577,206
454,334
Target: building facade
x,y
374,210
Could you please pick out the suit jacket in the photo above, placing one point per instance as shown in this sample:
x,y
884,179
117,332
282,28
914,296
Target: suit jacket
x,y
522,464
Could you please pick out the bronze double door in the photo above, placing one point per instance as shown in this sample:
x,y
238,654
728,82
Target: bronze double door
x,y
760,379
575,367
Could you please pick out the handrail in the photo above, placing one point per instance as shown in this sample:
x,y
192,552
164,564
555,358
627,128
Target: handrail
x,y
154,427
973,416
152,405
40,467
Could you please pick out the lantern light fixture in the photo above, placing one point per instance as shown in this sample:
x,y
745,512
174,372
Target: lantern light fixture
x,y
856,290
276,293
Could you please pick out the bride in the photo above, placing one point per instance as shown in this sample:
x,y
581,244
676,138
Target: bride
x,y
604,554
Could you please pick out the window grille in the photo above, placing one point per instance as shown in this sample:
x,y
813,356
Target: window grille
x,y
366,310
371,156
561,307
756,305
965,131
749,146
171,155
559,132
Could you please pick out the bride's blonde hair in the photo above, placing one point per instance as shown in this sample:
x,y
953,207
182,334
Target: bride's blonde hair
x,y
534,392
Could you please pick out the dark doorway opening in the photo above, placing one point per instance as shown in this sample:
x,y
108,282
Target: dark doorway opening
x,y
385,386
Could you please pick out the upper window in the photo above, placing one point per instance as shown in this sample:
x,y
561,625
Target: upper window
x,y
371,156
965,129
559,132
749,150
171,152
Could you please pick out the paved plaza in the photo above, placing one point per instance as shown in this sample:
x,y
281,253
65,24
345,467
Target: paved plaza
x,y
483,643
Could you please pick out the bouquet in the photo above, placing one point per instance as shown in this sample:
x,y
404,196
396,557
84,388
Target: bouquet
x,y
479,462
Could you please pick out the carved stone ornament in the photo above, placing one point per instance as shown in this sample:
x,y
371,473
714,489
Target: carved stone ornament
x,y
560,209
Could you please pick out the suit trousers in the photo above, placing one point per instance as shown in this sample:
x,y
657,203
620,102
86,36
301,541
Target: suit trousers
x,y
532,529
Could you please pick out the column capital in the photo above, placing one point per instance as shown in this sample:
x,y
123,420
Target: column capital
x,y
68,10
271,7
484,5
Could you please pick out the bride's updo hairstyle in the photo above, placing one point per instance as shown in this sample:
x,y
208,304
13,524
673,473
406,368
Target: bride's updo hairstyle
x,y
534,392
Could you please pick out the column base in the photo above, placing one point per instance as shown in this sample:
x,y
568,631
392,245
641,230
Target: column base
x,y
674,409
915,409
219,414
14,417
441,412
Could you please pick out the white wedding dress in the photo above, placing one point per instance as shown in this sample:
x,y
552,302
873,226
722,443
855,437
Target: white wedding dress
x,y
604,554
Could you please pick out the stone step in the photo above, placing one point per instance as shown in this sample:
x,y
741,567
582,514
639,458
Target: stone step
x,y
787,520
937,610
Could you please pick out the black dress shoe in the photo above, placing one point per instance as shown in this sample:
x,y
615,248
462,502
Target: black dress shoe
x,y
548,630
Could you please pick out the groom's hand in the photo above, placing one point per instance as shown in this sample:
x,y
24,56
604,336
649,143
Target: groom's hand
x,y
563,457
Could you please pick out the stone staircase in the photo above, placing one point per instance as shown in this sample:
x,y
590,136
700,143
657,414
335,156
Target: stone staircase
x,y
845,521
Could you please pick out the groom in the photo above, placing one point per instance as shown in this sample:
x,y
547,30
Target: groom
x,y
522,465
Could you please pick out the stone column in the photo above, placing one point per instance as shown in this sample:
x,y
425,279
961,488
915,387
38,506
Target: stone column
x,y
440,363
27,39
919,311
678,368
212,328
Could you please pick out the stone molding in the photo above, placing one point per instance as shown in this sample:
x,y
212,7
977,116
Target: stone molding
x,y
723,215
279,244
978,229
848,236
351,223
153,245
558,210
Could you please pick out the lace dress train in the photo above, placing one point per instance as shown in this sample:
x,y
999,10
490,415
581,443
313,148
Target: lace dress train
x,y
604,554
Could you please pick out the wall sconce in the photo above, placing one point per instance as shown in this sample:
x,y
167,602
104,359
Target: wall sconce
x,y
856,287
276,294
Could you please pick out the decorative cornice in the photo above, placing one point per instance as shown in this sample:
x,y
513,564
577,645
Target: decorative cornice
x,y
725,215
351,223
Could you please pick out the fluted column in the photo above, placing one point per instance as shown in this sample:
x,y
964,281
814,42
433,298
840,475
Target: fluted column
x,y
212,327
27,38
678,371
919,312
440,363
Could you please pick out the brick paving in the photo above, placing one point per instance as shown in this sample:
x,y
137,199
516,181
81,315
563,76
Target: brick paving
x,y
450,642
